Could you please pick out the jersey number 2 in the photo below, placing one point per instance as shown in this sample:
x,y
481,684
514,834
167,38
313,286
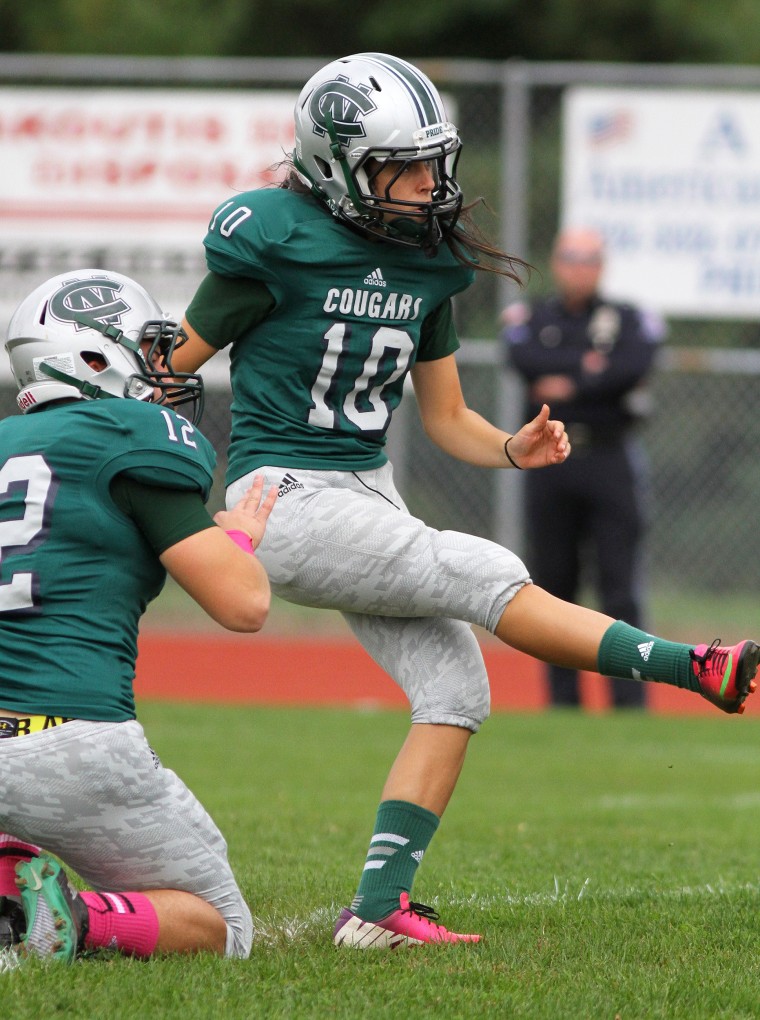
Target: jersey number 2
x,y
20,533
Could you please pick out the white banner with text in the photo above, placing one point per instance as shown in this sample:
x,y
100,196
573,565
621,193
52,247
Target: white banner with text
x,y
132,165
672,179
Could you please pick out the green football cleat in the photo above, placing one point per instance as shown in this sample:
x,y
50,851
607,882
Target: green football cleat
x,y
56,915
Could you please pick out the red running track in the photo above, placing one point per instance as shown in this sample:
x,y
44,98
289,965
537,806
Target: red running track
x,y
283,671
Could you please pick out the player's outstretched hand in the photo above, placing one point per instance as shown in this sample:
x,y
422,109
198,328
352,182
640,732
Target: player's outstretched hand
x,y
251,512
541,442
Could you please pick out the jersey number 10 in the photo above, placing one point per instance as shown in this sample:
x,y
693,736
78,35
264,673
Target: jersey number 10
x,y
365,405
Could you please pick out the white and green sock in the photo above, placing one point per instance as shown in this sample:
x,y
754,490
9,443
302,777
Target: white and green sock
x,y
401,837
633,654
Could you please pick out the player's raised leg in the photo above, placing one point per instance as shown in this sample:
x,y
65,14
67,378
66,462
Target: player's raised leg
x,y
568,635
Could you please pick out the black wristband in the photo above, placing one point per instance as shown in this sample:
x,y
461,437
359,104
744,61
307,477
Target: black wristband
x,y
506,450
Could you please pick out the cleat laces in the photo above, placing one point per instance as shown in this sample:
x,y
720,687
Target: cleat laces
x,y
713,651
421,910
424,912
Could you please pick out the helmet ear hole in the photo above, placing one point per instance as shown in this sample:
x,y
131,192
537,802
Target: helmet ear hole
x,y
95,360
324,168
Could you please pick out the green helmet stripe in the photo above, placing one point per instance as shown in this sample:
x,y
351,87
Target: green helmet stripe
x,y
416,84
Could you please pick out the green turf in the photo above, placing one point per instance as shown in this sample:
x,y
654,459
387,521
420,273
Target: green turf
x,y
610,861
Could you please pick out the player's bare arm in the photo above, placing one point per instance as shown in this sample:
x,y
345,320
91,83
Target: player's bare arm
x,y
228,583
195,351
466,435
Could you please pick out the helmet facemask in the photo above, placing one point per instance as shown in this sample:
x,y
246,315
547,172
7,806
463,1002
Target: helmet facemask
x,y
177,389
420,224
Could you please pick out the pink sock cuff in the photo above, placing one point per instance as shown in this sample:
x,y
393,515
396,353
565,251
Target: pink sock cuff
x,y
123,921
29,849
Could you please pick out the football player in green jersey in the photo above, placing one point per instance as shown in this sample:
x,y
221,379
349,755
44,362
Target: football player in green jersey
x,y
331,289
102,492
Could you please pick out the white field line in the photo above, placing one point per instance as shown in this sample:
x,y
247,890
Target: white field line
x,y
275,931
9,960
744,801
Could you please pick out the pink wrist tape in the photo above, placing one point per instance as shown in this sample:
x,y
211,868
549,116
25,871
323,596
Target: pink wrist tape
x,y
244,541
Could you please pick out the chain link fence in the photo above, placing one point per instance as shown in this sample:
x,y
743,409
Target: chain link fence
x,y
703,435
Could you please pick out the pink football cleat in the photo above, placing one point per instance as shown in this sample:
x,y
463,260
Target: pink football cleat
x,y
726,675
410,925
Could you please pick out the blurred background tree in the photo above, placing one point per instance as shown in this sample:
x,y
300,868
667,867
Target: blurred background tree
x,y
638,31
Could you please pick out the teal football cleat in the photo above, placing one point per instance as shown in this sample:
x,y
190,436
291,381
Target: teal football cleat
x,y
56,915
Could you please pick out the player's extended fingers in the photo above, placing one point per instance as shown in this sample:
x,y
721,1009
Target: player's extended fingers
x,y
266,504
557,431
252,496
251,502
561,448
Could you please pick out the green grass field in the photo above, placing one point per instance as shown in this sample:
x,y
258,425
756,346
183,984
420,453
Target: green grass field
x,y
609,861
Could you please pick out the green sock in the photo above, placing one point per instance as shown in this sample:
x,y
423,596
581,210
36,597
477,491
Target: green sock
x,y
631,653
401,837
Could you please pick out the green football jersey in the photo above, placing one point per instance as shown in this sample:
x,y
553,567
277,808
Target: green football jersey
x,y
316,382
76,574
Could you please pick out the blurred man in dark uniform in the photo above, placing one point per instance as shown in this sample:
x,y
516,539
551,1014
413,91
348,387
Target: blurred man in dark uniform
x,y
588,358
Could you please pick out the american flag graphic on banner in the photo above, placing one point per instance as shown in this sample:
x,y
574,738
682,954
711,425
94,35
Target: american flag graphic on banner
x,y
613,126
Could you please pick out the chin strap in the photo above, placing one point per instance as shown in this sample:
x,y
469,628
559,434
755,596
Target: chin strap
x,y
87,389
108,330
340,157
406,227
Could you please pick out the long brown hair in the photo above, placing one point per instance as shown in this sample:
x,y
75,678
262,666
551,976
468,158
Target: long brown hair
x,y
465,241
472,248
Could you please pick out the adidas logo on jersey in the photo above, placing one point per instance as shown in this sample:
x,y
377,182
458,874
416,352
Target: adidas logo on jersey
x,y
287,485
417,855
375,278
645,650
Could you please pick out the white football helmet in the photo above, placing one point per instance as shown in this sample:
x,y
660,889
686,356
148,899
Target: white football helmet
x,y
91,334
357,113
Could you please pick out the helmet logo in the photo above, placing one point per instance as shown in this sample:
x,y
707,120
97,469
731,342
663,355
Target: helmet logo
x,y
97,298
347,104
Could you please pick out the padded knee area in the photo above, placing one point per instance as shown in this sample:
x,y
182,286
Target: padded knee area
x,y
437,662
